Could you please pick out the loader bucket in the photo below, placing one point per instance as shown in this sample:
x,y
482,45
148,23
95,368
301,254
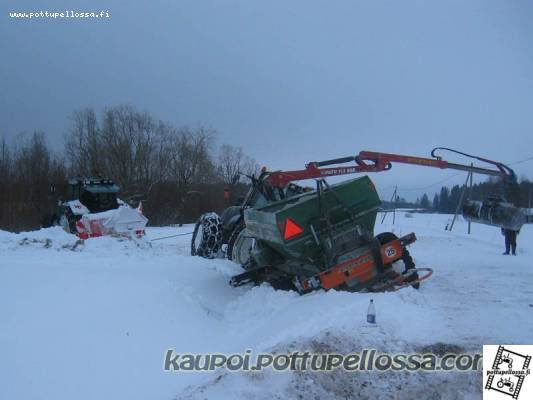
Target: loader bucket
x,y
495,213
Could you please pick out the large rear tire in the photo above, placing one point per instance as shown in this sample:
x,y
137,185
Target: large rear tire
x,y
241,248
207,236
237,229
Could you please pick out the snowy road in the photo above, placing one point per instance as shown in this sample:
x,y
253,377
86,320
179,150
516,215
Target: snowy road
x,y
94,323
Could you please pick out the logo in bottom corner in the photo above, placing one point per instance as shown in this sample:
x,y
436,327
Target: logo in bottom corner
x,y
506,372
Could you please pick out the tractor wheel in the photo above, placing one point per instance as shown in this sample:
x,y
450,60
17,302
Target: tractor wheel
x,y
68,221
237,229
63,222
207,236
241,247
282,283
407,260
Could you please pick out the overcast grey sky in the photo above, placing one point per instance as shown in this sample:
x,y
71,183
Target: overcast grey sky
x,y
289,81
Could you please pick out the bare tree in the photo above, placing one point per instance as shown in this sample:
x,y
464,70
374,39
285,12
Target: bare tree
x,y
149,159
232,161
190,157
5,161
82,145
26,172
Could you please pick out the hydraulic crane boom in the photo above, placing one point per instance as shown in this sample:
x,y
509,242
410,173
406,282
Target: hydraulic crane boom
x,y
369,161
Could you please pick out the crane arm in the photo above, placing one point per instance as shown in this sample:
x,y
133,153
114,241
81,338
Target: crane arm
x,y
370,161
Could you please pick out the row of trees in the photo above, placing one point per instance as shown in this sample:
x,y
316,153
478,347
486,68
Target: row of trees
x,y
26,171
520,194
178,172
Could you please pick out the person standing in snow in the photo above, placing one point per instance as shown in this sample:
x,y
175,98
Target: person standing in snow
x,y
510,240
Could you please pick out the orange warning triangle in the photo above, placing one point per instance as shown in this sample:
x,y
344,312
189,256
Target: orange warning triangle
x,y
292,229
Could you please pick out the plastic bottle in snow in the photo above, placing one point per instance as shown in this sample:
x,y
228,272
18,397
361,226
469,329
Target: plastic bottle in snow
x,y
371,313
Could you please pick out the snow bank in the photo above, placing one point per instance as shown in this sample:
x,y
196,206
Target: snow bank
x,y
339,384
55,238
96,323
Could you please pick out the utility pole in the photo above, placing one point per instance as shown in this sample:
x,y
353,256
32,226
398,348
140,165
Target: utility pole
x,y
470,194
395,205
529,207
468,177
393,202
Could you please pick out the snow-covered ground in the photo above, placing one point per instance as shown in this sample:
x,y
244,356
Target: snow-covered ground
x,y
93,320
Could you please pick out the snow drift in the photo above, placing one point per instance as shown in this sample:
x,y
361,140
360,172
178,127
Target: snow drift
x,y
93,320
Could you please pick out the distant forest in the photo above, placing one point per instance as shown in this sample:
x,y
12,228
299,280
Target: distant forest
x,y
520,194
178,172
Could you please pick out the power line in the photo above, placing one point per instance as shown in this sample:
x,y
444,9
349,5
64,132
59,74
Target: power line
x,y
433,184
457,174
521,161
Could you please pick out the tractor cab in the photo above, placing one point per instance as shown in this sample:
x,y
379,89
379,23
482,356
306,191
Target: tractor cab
x,y
97,194
91,208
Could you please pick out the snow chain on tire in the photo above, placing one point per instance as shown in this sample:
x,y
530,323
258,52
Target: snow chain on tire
x,y
207,236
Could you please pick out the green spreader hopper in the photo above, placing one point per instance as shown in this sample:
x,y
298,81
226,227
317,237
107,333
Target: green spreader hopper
x,y
310,232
